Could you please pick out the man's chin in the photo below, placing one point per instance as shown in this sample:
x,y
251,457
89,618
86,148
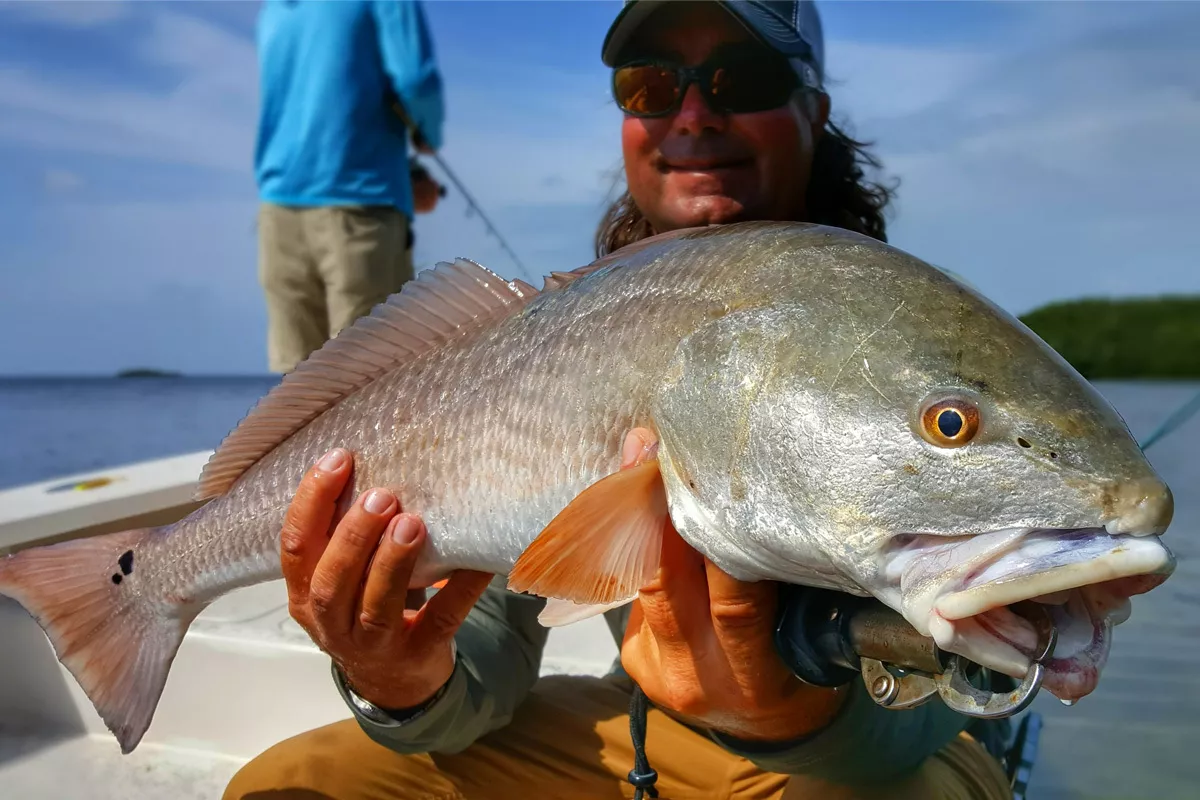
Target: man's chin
x,y
709,210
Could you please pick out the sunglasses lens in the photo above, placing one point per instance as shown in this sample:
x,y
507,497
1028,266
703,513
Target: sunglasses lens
x,y
645,89
747,86
739,85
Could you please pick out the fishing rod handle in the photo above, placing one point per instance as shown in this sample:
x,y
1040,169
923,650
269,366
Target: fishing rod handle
x,y
830,639
823,637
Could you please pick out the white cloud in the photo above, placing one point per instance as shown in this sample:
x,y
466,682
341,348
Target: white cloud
x,y
872,82
205,119
1065,164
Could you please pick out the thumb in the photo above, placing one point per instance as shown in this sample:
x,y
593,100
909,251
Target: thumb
x,y
446,611
641,445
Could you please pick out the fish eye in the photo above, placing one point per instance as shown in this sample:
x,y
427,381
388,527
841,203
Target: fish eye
x,y
950,422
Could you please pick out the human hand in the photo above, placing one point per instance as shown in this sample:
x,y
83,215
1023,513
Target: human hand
x,y
349,590
421,145
700,644
426,192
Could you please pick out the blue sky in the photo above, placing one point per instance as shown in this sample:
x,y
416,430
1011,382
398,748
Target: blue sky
x,y
1045,151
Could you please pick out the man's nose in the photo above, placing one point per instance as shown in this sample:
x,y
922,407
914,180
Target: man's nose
x,y
695,114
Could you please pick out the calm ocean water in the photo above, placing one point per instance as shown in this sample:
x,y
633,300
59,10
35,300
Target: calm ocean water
x,y
52,427
1135,737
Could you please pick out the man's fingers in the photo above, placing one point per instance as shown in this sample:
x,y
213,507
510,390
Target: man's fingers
x,y
333,591
669,632
306,524
446,611
385,596
742,613
675,603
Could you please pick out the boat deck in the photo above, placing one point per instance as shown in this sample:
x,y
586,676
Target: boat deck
x,y
233,692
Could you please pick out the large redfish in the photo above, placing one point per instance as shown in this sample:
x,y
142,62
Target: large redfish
x,y
830,411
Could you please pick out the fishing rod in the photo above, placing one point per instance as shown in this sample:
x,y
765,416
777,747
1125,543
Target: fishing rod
x,y
415,132
1174,421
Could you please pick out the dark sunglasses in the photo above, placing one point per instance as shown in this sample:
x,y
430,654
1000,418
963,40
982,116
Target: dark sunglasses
x,y
738,85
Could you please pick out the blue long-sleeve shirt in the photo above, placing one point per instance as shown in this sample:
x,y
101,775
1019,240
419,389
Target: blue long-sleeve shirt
x,y
329,74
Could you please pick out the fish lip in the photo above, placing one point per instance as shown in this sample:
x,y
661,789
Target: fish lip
x,y
969,610
1130,556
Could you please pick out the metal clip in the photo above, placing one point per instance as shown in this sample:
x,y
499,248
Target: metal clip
x,y
958,693
907,690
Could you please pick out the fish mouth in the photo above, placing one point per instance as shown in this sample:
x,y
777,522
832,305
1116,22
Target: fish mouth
x,y
965,593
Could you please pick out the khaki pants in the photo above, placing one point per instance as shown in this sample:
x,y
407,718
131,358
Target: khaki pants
x,y
322,268
570,739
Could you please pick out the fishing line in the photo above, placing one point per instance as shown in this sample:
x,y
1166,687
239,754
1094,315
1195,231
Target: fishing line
x,y
1173,422
471,204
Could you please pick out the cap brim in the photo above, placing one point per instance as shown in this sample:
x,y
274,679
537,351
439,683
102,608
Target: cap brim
x,y
761,23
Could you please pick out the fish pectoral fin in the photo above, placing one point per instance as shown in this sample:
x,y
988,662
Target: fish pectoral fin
x,y
604,546
563,612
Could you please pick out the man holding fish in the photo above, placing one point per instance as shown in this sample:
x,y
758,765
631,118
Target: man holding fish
x,y
748,138
663,436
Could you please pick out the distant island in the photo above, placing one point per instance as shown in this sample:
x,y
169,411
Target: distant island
x,y
145,372
1155,338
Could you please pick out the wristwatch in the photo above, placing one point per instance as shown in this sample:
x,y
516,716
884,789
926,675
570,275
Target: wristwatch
x,y
388,717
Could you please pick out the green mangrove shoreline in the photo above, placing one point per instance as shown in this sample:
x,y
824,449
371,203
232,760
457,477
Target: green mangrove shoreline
x,y
1144,338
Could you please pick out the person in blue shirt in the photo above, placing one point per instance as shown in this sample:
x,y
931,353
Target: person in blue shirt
x,y
332,160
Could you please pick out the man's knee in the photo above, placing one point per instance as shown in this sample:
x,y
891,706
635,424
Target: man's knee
x,y
284,772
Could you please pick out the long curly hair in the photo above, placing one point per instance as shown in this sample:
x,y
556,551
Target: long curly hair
x,y
839,194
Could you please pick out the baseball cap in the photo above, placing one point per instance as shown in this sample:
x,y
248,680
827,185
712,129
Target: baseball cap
x,y
789,27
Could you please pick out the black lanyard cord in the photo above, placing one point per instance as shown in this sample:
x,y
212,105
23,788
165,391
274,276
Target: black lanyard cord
x,y
641,776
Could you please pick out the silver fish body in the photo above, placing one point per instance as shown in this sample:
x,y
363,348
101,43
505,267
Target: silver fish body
x,y
785,368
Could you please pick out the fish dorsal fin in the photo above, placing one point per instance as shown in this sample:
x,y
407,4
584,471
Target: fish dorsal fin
x,y
450,299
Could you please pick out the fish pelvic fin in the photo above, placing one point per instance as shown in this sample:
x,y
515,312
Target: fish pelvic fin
x,y
602,548
117,642
564,612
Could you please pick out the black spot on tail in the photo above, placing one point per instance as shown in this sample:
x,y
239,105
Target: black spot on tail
x,y
116,578
126,562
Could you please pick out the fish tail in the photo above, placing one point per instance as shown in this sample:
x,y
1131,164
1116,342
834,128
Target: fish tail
x,y
116,640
